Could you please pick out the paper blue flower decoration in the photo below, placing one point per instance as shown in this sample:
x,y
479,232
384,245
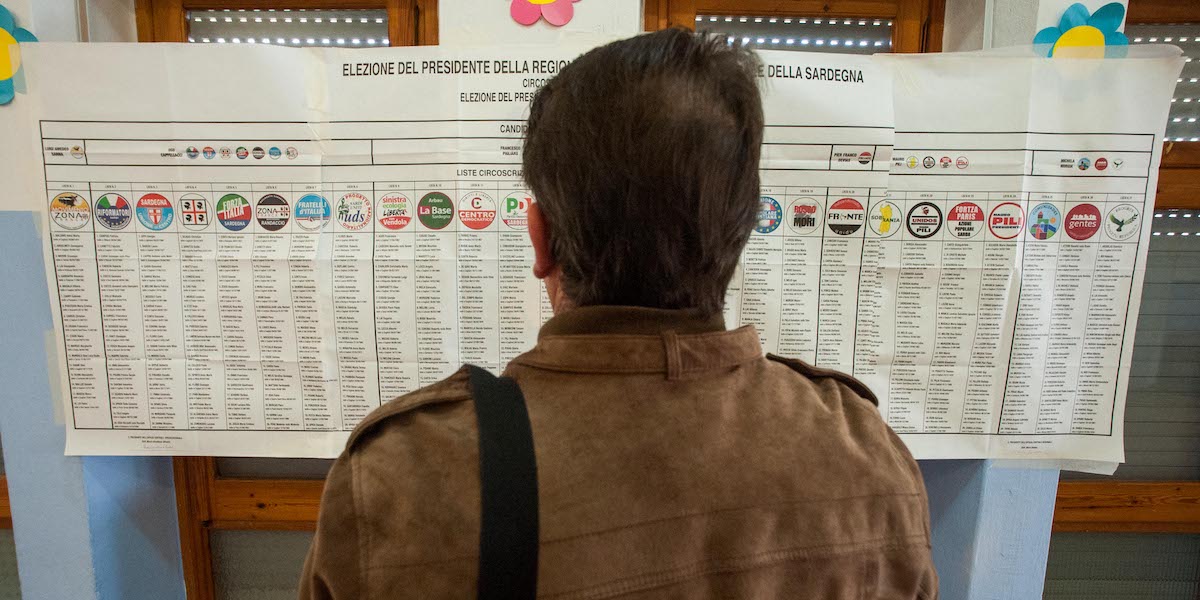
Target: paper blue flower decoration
x,y
1083,35
10,54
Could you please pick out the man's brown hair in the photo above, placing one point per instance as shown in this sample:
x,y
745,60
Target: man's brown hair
x,y
643,156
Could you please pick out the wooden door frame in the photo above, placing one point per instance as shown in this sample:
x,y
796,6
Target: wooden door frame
x,y
917,23
410,22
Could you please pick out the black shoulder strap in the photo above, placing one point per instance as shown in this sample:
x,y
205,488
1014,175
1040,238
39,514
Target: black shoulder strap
x,y
508,539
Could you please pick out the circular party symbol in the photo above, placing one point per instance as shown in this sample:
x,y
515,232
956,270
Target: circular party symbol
x,y
929,162
312,212
1006,220
1083,220
210,152
395,211
1084,164
242,152
273,212
845,216
292,152
946,162
515,209
154,212
770,214
69,210
965,220
924,220
885,219
113,211
435,210
233,212
1044,221
259,153
476,210
1123,222
275,152
353,211
865,158
193,152
962,162
1101,163
911,162
226,153
193,209
804,216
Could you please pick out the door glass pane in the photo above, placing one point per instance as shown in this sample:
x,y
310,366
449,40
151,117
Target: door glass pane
x,y
811,34
1184,124
258,565
1162,412
284,27
1123,566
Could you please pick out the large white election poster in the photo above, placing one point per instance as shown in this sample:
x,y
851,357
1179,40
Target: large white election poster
x,y
249,249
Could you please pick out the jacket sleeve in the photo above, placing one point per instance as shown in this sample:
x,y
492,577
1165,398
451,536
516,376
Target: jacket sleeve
x,y
334,567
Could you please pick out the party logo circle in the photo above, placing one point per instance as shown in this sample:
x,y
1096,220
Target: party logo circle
x,y
154,212
70,210
1044,221
515,209
1083,221
1006,220
395,211
273,212
885,219
258,152
353,211
804,216
845,216
312,212
1123,222
226,152
924,220
435,210
965,220
275,153
242,152
769,216
113,211
193,211
210,152
476,210
193,152
233,212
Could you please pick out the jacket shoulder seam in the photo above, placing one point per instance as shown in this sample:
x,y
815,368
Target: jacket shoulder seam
x,y
812,372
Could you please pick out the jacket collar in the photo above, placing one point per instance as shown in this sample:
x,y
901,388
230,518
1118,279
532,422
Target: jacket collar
x,y
621,339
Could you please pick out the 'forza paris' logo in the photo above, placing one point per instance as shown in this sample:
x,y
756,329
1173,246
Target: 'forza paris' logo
x,y
770,214
924,220
846,216
965,220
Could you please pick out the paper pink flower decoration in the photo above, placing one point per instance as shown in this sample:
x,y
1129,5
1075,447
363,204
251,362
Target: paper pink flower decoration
x,y
556,12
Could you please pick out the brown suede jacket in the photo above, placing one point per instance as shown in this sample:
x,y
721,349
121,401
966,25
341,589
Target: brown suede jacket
x,y
674,461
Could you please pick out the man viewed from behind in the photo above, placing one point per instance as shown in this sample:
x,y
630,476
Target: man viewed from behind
x,y
674,459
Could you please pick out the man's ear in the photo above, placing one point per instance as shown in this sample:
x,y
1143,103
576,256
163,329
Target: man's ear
x,y
539,235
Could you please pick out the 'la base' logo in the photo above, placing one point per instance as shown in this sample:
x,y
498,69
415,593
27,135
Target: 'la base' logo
x,y
70,211
113,212
924,220
846,216
435,210
1006,220
353,211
